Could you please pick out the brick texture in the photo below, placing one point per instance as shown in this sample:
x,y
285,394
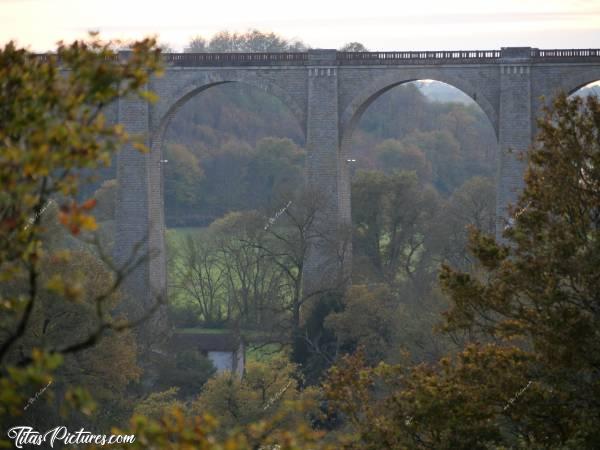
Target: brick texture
x,y
328,98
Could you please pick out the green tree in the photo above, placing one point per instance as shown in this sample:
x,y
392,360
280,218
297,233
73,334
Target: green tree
x,y
276,167
444,153
395,155
390,216
186,173
199,275
252,280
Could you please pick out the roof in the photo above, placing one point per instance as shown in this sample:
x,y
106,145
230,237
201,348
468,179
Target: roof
x,y
210,342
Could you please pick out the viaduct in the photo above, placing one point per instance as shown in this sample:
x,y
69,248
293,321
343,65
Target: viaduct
x,y
327,92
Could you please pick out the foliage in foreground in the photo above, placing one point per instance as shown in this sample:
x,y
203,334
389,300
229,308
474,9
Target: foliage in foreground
x,y
53,128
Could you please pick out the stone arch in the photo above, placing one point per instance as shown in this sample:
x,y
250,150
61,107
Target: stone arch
x,y
359,104
579,79
164,112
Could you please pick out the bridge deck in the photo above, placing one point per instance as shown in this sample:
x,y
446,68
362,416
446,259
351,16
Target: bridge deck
x,y
533,55
379,58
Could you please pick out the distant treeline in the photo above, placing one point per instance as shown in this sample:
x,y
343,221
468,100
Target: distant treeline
x,y
232,147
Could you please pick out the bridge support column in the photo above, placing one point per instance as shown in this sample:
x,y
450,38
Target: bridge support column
x,y
328,256
514,128
139,223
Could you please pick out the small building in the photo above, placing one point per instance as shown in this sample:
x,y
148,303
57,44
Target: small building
x,y
226,351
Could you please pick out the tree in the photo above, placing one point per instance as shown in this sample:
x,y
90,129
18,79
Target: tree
x,y
276,166
157,404
471,205
260,393
353,47
529,376
390,215
366,321
289,235
53,125
196,45
199,275
253,282
186,173
56,320
177,432
444,153
542,287
187,371
395,155
250,41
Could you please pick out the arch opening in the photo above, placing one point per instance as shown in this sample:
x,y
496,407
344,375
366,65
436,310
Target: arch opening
x,y
231,153
354,111
410,110
226,117
422,166
587,89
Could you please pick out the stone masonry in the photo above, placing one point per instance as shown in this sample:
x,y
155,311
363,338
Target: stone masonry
x,y
327,92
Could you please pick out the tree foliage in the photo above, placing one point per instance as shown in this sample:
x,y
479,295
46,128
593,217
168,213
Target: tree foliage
x,y
53,126
529,377
251,41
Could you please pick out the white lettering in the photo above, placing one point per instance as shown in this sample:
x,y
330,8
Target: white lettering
x,y
24,435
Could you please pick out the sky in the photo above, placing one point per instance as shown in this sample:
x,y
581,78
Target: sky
x,y
378,24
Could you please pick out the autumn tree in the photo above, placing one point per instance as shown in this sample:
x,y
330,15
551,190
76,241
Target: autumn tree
x,y
542,287
529,376
53,126
365,321
262,392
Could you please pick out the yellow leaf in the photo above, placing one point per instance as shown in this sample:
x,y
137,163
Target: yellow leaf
x,y
140,147
149,96
88,223
56,284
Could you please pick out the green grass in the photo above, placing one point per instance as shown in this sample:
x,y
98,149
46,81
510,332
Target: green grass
x,y
263,353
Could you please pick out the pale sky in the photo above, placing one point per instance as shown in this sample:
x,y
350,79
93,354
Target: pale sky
x,y
378,24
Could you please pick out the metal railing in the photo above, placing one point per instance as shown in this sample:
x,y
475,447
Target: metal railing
x,y
416,57
216,59
566,53
371,58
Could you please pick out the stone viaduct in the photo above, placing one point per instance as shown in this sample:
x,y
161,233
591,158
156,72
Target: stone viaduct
x,y
327,92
